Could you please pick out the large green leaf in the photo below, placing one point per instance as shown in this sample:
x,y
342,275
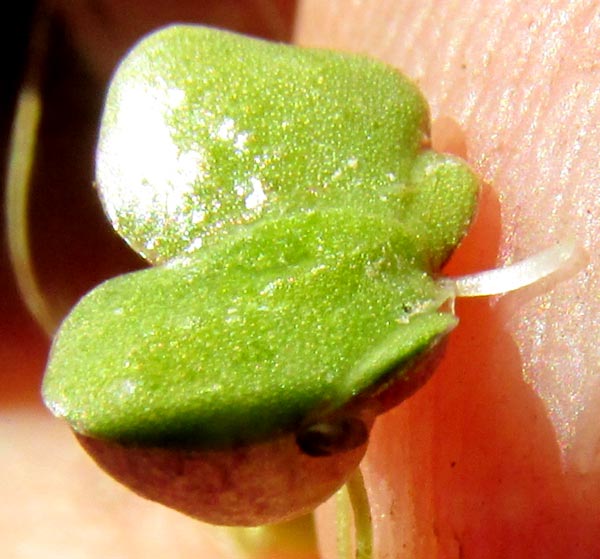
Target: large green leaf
x,y
297,225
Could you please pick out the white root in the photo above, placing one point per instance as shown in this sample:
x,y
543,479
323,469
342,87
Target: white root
x,y
515,276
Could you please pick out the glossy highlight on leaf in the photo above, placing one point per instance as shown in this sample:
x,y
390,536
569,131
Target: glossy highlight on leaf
x,y
205,130
296,223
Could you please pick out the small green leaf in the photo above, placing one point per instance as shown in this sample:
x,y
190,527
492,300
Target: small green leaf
x,y
243,340
205,130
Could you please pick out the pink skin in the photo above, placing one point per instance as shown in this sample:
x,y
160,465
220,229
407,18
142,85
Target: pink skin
x,y
498,455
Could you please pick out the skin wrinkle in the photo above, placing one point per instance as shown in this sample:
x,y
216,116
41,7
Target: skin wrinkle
x,y
390,33
572,144
456,58
414,57
506,107
431,36
553,152
582,123
415,36
568,102
533,126
511,108
522,105
371,27
482,59
585,121
530,133
458,28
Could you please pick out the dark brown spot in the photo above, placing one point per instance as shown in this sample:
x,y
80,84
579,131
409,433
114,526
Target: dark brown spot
x,y
332,437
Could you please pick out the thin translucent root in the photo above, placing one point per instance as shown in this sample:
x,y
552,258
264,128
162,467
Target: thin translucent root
x,y
363,524
515,276
18,180
20,163
354,496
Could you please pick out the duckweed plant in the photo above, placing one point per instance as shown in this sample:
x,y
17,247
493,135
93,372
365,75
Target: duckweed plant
x,y
296,222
